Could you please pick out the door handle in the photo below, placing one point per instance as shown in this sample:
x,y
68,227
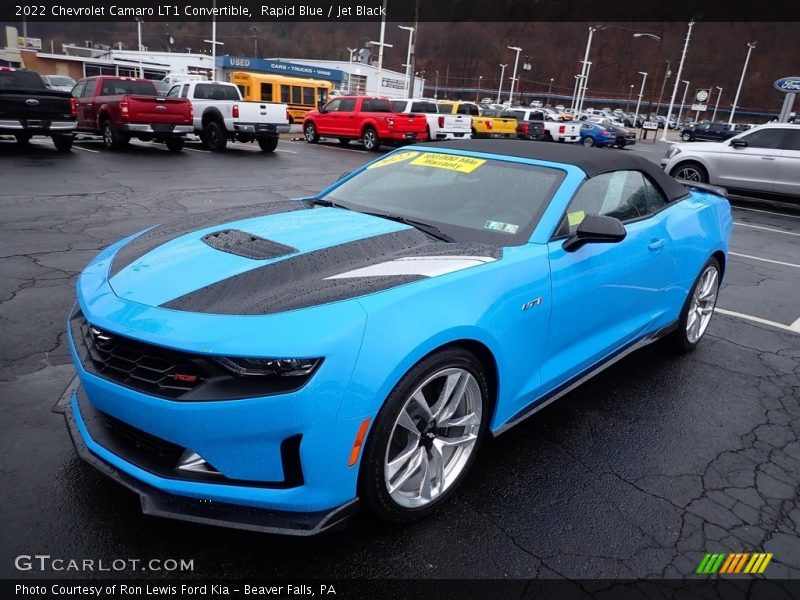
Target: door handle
x,y
767,158
656,244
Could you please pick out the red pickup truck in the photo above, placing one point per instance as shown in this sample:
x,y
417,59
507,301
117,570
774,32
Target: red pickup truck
x,y
361,117
119,108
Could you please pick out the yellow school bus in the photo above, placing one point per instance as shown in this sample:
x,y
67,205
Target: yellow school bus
x,y
301,95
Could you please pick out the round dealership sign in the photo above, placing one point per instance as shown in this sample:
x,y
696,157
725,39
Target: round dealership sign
x,y
790,85
702,95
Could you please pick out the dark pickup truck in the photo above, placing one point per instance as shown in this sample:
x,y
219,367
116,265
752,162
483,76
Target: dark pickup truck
x,y
28,108
530,125
120,108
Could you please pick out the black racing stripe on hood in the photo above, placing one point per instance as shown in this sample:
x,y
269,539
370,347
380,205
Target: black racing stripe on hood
x,y
301,281
161,234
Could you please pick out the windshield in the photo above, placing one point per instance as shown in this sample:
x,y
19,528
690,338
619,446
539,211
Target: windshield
x,y
470,199
60,80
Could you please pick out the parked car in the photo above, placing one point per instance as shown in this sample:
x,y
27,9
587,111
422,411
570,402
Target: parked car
x,y
62,83
366,118
234,368
593,134
623,137
529,126
483,126
709,132
556,130
220,115
440,127
29,108
121,108
763,161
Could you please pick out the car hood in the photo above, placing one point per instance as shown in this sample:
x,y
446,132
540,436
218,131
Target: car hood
x,y
278,257
701,147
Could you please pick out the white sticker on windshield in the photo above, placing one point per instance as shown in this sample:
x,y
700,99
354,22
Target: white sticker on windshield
x,y
503,227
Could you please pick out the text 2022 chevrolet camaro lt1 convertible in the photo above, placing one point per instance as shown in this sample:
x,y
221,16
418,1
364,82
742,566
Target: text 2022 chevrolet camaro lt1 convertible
x,y
270,367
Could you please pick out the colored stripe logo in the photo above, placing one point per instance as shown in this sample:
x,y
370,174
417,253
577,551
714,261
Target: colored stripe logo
x,y
734,563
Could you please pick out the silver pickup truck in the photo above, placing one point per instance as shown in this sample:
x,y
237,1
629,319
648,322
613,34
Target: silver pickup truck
x,y
220,115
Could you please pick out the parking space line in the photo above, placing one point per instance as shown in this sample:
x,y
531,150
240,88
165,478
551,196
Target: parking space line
x,y
793,328
287,151
769,260
769,212
85,149
772,229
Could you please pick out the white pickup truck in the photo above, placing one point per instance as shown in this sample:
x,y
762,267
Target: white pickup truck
x,y
556,131
220,115
440,127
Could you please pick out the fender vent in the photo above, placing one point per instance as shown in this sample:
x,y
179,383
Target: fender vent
x,y
246,244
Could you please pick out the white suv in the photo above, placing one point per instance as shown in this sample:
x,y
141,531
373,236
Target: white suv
x,y
765,160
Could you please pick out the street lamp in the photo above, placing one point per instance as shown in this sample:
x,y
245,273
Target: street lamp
x,y
573,104
680,110
478,91
549,90
352,51
716,106
409,85
255,41
653,36
677,80
584,69
750,46
436,89
139,30
500,87
639,102
516,49
649,35
628,103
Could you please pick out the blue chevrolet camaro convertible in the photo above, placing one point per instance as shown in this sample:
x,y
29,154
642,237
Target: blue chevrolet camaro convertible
x,y
274,366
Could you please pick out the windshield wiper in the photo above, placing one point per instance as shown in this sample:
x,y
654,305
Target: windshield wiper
x,y
429,228
327,203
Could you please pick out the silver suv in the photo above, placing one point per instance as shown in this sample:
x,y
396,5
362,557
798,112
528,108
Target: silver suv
x,y
765,160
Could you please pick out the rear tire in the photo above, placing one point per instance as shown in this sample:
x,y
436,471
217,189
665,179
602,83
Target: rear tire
x,y
417,455
686,136
268,144
588,142
63,143
112,140
370,140
310,133
174,144
216,138
698,308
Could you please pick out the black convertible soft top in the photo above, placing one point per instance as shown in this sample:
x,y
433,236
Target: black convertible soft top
x,y
592,161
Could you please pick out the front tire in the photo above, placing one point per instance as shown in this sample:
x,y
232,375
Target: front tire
x,y
425,437
588,142
698,309
268,144
215,136
690,172
310,133
369,138
686,136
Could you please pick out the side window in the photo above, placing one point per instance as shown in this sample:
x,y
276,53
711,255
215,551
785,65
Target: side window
x,y
347,105
621,194
77,91
174,91
766,138
88,91
185,91
286,94
655,198
308,96
792,139
332,106
266,92
297,94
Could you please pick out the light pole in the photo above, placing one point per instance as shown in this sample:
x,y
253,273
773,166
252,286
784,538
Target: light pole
x,y
409,85
478,91
574,103
516,49
352,51
255,41
680,110
658,55
381,46
584,80
716,106
667,74
549,90
639,102
139,30
677,80
628,103
500,87
436,89
526,66
750,46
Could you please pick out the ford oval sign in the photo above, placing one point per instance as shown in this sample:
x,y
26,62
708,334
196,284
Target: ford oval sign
x,y
789,85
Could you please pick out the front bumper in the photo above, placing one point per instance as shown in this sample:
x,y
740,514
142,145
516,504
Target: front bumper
x,y
77,411
158,129
37,127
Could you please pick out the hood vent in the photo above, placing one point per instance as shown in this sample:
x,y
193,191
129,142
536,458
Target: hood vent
x,y
241,243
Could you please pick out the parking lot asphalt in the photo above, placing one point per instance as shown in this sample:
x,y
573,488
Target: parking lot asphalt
x,y
637,473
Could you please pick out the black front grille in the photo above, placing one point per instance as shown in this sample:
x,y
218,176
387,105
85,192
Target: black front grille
x,y
150,450
138,365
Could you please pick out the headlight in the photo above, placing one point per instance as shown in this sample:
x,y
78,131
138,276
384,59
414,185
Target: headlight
x,y
269,367
674,151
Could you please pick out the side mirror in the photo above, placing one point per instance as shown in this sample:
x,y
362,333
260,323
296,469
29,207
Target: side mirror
x,y
596,229
738,143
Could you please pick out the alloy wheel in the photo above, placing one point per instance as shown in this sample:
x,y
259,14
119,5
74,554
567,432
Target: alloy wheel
x,y
689,174
701,307
433,437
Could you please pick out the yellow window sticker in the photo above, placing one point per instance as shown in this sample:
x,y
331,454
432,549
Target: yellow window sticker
x,y
463,164
393,159
575,218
